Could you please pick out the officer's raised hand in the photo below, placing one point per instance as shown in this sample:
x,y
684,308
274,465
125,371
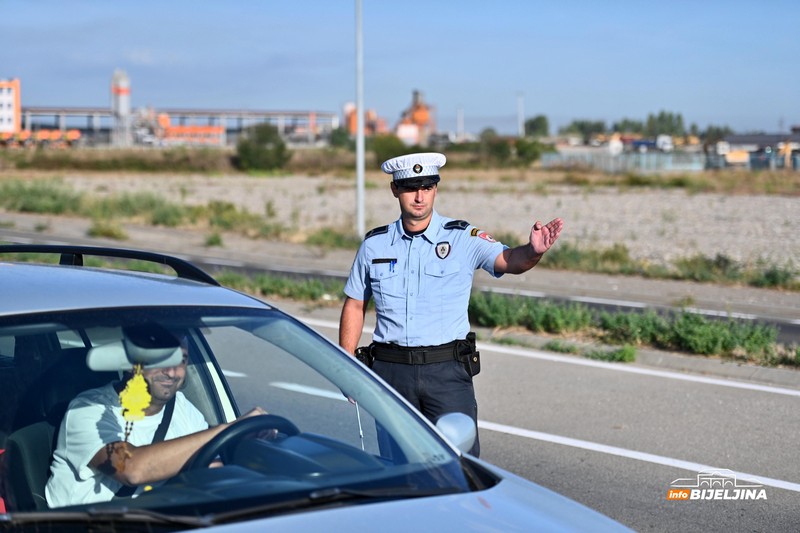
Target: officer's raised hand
x,y
544,235
526,256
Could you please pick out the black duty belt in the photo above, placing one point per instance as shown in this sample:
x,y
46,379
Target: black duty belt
x,y
419,355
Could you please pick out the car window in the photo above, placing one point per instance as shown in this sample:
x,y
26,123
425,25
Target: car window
x,y
258,370
341,427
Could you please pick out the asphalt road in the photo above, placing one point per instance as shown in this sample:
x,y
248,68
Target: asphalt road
x,y
617,437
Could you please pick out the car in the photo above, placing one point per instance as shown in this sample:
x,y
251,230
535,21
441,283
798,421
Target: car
x,y
339,450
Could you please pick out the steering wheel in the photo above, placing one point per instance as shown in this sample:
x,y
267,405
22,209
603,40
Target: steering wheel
x,y
234,433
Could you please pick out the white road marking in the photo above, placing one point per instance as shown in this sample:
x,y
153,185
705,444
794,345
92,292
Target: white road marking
x,y
313,391
233,374
618,367
621,367
630,454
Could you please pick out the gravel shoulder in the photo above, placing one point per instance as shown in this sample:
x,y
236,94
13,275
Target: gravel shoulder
x,y
656,225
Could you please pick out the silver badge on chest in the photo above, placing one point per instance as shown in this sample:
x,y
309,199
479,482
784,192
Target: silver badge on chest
x,y
442,250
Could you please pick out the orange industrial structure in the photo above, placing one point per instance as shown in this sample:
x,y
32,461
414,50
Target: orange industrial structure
x,y
415,126
373,124
416,123
168,134
11,131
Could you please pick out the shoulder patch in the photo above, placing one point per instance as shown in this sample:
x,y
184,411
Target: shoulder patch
x,y
457,224
376,231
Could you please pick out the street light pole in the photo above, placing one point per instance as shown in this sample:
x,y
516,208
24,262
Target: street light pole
x,y
361,226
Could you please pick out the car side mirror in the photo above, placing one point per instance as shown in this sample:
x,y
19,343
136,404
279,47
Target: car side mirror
x,y
459,429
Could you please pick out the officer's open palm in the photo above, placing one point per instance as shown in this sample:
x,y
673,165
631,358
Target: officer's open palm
x,y
544,235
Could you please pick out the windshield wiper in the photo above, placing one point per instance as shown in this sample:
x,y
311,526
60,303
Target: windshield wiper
x,y
105,514
327,496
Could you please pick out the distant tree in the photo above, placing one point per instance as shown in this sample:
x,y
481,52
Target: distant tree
x,y
527,151
487,135
714,134
665,123
537,126
340,138
493,148
261,148
498,149
585,128
387,146
627,125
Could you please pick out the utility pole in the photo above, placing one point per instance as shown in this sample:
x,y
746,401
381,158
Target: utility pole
x,y
360,223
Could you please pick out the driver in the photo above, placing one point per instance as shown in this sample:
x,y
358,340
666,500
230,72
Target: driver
x,y
93,463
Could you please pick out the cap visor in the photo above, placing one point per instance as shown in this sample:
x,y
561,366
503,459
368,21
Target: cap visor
x,y
416,183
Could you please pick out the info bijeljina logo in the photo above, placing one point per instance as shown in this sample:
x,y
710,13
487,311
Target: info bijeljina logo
x,y
717,484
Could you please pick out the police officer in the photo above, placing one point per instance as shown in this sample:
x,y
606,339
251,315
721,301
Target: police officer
x,y
419,271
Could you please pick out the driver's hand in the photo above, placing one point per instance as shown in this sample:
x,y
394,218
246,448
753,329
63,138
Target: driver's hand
x,y
255,411
266,434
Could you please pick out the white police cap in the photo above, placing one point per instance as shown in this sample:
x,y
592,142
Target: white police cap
x,y
415,170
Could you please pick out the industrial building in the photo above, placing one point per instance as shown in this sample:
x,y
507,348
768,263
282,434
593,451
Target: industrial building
x,y
121,125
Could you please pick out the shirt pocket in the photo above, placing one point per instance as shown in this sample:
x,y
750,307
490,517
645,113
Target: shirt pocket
x,y
442,278
387,287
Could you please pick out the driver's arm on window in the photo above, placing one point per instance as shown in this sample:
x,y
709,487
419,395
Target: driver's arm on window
x,y
154,462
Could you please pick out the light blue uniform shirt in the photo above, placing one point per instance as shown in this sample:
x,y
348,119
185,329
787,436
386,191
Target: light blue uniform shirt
x,y
421,284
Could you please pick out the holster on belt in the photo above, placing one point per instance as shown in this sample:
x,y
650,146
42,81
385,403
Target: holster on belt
x,y
469,355
364,354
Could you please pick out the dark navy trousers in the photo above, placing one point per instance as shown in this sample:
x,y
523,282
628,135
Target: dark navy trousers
x,y
434,389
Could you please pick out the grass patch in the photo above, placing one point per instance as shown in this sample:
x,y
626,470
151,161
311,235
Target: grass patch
x,y
330,239
679,331
107,229
560,346
626,354
284,287
213,239
720,269
47,197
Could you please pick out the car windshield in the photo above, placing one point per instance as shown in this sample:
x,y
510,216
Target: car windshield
x,y
333,429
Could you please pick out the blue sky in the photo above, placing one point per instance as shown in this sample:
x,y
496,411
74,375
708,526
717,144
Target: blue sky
x,y
716,62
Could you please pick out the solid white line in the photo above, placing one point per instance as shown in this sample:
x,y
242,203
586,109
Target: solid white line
x,y
631,454
607,301
513,292
618,367
233,374
723,314
313,391
621,367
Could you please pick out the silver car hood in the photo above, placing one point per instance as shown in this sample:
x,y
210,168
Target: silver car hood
x,y
514,504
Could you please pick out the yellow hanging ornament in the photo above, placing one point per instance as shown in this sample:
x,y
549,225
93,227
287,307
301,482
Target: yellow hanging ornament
x,y
135,398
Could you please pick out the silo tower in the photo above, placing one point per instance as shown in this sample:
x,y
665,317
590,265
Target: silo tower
x,y
121,109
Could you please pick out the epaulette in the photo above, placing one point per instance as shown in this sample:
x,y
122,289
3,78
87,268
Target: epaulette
x,y
376,231
457,224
